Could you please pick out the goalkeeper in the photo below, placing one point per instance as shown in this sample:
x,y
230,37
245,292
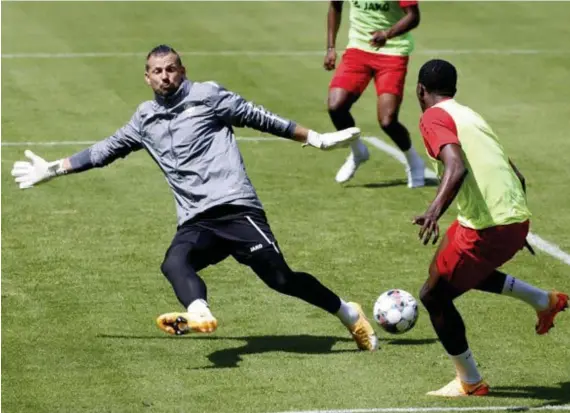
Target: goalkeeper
x,y
188,131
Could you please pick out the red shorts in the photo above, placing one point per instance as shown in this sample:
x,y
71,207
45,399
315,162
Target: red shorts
x,y
358,67
471,255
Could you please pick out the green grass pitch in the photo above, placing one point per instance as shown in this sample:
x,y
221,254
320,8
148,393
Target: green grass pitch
x,y
81,284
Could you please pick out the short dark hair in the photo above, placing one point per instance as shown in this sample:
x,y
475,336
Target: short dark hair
x,y
439,77
161,50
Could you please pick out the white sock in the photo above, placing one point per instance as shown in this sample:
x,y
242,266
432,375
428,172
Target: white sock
x,y
355,147
198,306
412,156
466,368
537,298
347,314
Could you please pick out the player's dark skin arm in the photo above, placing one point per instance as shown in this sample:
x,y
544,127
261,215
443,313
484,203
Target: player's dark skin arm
x,y
409,22
453,176
333,24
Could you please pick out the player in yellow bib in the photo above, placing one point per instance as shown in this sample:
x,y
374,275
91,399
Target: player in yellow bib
x,y
379,46
491,227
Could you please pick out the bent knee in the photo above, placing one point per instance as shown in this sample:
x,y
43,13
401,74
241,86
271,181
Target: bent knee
x,y
388,121
168,266
429,296
340,101
425,296
337,107
281,280
173,261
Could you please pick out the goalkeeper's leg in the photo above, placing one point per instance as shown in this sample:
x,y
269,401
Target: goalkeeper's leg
x,y
186,283
190,251
271,267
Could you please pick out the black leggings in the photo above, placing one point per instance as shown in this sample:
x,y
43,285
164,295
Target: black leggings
x,y
267,263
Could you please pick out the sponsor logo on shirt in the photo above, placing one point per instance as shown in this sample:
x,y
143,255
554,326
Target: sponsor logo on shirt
x,y
369,5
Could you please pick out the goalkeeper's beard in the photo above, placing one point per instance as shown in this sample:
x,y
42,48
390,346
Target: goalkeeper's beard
x,y
166,93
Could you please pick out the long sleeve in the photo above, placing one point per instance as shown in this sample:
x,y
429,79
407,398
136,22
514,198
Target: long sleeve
x,y
124,141
237,111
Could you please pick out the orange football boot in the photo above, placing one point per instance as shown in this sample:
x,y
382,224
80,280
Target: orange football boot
x,y
557,302
457,388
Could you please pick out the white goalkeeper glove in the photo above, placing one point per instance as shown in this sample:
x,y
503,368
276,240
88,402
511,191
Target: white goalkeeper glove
x,y
27,174
327,141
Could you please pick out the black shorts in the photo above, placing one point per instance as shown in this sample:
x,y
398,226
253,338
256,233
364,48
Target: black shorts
x,y
225,230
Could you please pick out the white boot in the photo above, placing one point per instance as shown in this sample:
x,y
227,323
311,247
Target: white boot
x,y
358,155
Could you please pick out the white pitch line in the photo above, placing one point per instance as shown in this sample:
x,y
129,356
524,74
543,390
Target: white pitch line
x,y
77,143
551,249
565,407
261,139
277,53
55,143
255,53
396,154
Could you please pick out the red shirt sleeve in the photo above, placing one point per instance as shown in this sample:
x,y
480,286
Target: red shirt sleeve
x,y
438,129
408,3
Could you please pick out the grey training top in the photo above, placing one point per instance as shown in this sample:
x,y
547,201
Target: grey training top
x,y
190,136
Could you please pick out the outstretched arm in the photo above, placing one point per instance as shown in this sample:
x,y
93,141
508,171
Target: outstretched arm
x,y
120,144
236,111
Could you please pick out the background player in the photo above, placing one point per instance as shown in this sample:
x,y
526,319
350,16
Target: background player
x,y
492,225
188,131
378,47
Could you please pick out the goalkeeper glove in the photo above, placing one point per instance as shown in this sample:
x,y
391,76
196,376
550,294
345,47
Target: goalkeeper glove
x,y
326,141
37,170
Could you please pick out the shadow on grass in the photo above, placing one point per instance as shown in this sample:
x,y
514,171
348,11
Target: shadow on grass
x,y
555,395
392,183
383,184
299,344
409,341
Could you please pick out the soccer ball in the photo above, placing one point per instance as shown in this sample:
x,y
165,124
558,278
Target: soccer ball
x,y
396,311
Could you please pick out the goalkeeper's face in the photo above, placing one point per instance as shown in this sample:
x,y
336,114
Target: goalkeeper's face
x,y
164,73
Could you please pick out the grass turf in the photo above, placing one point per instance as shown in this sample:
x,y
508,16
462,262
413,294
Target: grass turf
x,y
81,283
